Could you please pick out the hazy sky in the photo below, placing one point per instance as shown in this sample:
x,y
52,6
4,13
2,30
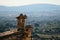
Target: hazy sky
x,y
27,2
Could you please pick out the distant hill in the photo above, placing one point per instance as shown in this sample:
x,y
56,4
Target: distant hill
x,y
31,8
34,9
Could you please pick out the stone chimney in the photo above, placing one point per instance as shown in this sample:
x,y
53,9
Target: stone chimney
x,y
25,30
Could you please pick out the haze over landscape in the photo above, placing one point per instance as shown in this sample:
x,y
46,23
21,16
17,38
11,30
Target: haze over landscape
x,y
36,13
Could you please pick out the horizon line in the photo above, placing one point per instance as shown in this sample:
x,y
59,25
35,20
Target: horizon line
x,y
28,4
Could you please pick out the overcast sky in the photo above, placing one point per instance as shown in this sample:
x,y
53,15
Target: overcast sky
x,y
27,2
